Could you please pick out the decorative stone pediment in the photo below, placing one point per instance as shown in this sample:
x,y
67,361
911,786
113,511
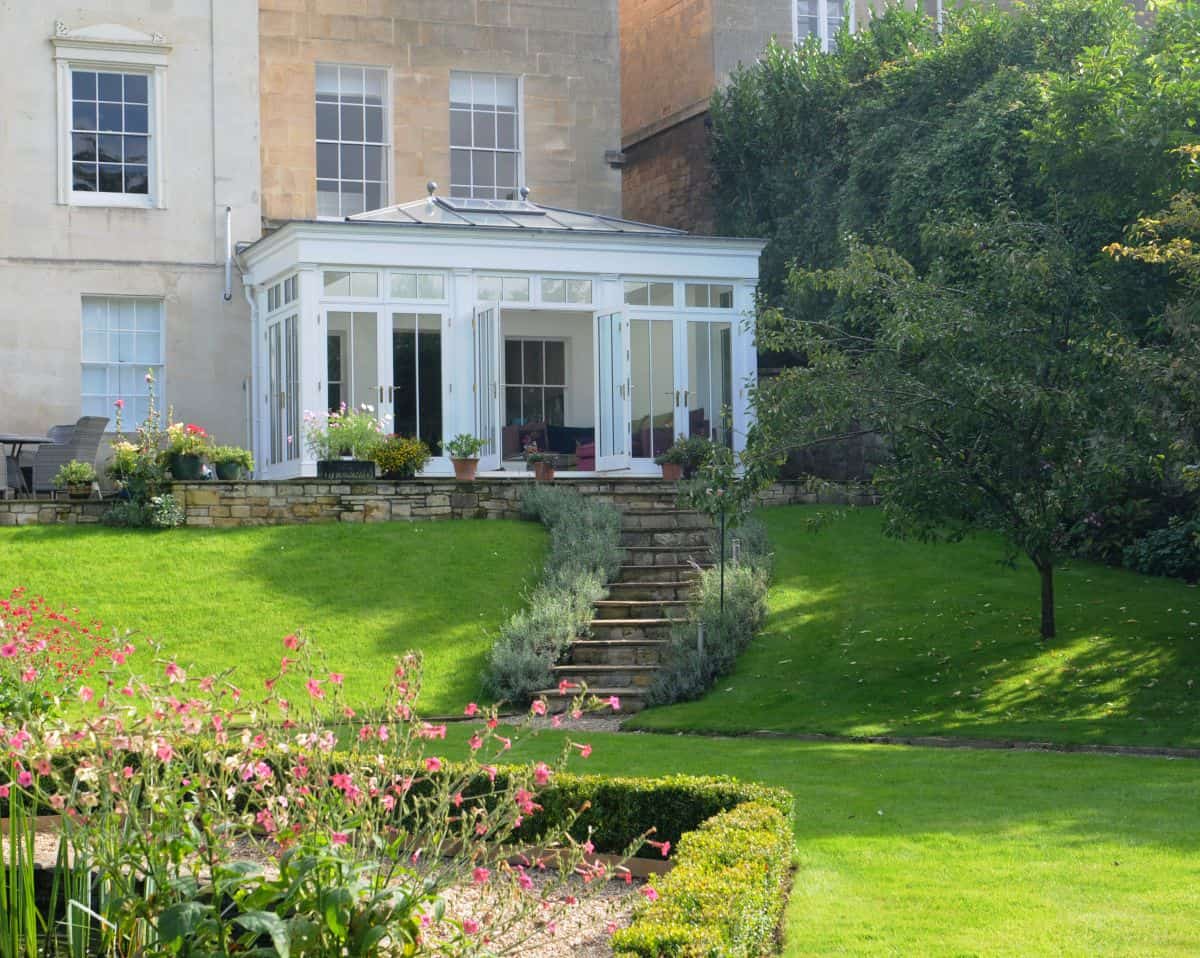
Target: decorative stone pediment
x,y
108,36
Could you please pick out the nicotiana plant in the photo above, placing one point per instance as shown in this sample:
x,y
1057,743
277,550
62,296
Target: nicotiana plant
x,y
197,818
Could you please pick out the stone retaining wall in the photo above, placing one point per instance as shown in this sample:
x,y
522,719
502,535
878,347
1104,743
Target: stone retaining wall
x,y
233,504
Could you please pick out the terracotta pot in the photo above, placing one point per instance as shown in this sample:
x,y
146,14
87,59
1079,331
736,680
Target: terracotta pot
x,y
465,469
672,471
543,471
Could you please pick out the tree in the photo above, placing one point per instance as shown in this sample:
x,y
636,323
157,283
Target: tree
x,y
1011,399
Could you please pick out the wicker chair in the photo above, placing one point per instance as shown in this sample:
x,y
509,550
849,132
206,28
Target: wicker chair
x,y
81,441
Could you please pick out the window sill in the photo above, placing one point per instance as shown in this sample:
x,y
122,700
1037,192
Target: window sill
x,y
111,201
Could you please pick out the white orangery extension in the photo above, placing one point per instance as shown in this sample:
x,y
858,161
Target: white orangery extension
x,y
597,339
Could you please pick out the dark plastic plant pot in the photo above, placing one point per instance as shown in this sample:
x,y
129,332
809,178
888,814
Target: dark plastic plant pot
x,y
185,467
228,471
345,469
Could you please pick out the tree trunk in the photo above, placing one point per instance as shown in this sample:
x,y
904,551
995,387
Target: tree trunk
x,y
1046,569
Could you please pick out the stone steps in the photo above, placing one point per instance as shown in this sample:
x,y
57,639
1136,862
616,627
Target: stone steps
x,y
632,698
662,591
675,554
619,677
691,540
677,573
640,609
630,629
617,652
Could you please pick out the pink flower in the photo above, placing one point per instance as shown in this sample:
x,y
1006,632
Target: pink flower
x,y
615,702
58,803
127,772
4,790
24,778
8,650
29,675
480,876
291,642
541,773
433,764
336,678
120,403
175,673
649,892
314,688
664,847
538,707
471,710
339,838
86,694
470,926
584,750
564,687
476,743
164,752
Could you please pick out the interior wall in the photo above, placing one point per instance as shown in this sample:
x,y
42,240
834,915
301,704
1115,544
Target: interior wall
x,y
575,329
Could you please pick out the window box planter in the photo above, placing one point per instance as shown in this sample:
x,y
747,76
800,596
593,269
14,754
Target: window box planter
x,y
185,467
345,469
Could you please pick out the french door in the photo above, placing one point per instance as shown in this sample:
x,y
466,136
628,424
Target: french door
x,y
284,439
485,331
358,361
612,392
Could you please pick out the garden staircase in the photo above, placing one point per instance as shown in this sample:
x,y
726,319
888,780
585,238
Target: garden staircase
x,y
665,547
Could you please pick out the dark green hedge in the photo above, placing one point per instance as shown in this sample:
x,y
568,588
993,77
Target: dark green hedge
x,y
725,896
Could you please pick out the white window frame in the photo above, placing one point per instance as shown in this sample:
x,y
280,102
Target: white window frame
x,y
112,49
823,32
388,170
159,366
520,151
505,385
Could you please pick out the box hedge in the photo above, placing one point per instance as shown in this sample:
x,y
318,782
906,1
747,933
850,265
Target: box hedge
x,y
725,896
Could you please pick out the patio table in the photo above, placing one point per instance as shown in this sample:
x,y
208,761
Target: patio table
x,y
17,441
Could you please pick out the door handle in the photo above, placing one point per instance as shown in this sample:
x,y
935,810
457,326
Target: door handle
x,y
381,395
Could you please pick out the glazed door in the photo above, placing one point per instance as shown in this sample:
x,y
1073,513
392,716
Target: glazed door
x,y
284,438
612,392
485,328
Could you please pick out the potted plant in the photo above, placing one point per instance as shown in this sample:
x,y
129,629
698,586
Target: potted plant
x,y
186,445
230,462
464,450
342,442
77,478
686,455
399,457
542,463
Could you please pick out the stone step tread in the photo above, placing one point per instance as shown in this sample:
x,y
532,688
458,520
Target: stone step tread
x,y
599,691
617,643
649,583
671,567
639,603
569,669
649,511
631,623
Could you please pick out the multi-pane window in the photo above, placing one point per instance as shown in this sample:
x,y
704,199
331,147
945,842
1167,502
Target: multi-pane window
x,y
644,293
577,292
485,138
708,296
822,19
535,381
503,289
352,140
110,132
122,341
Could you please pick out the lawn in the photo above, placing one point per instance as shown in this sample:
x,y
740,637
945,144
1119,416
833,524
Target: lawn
x,y
951,852
363,593
872,636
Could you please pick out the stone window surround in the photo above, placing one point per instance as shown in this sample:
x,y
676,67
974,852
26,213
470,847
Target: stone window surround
x,y
110,47
823,32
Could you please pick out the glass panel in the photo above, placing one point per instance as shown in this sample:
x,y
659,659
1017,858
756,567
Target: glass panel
x,y
83,177
374,85
137,120
554,404
429,374
516,289
484,128
95,346
111,180
110,148
512,361
364,284
431,286
554,290
148,316
95,314
137,88
95,380
352,121
110,117
147,349
126,314
506,131
506,93
373,163
110,87
579,290
327,121
83,85
641,421
460,89
721,296
722,366
531,404
556,362
83,146
337,284
328,200
404,369
696,295
327,161
637,294
483,168
352,199
373,196
700,414
534,366
506,173
374,124
807,19
512,406
489,288
83,116
327,81
483,90
460,167
404,286
460,128
352,161
136,149
662,294
352,82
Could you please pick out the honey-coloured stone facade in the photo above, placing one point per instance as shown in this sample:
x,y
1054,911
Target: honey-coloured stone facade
x,y
564,51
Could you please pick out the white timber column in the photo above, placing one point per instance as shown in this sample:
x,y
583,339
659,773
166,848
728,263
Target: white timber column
x,y
458,356
745,359
314,364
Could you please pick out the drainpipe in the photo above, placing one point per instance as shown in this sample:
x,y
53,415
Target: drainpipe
x,y
252,421
228,254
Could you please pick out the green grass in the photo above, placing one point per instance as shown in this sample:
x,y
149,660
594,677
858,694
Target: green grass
x,y
363,593
872,636
953,852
